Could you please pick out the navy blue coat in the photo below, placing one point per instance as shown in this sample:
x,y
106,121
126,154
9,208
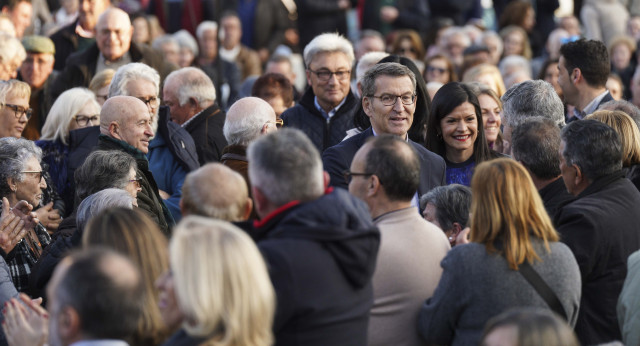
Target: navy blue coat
x,y
337,159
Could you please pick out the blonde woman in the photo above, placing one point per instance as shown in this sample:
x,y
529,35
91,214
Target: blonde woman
x,y
230,300
131,233
486,74
629,134
509,226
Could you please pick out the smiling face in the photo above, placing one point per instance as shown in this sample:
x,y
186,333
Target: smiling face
x,y
331,92
21,17
136,130
513,43
88,111
490,117
396,119
459,132
437,71
30,189
13,126
113,34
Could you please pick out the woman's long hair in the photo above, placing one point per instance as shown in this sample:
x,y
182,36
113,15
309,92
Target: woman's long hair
x,y
507,208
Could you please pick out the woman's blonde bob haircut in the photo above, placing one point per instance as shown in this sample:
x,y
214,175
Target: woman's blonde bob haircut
x,y
475,73
221,283
506,207
628,131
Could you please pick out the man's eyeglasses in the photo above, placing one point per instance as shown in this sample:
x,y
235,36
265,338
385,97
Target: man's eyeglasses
x,y
84,120
348,175
40,174
19,111
151,102
278,122
325,75
390,100
136,182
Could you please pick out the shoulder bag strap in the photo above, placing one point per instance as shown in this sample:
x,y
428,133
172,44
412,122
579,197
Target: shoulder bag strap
x,y
542,288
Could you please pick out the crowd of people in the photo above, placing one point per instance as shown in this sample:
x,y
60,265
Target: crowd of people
x,y
339,172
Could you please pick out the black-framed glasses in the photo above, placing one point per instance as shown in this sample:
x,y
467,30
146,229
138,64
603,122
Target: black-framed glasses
x,y
151,102
136,182
40,174
390,100
19,111
348,175
84,120
325,75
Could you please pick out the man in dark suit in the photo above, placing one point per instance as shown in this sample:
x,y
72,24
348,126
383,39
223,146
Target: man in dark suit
x,y
388,99
600,225
583,71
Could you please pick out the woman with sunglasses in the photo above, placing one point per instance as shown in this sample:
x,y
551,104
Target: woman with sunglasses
x,y
21,179
407,43
74,109
438,68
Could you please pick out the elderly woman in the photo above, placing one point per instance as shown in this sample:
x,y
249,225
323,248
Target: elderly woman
x,y
101,170
448,208
100,83
21,179
15,112
231,299
511,233
188,48
75,108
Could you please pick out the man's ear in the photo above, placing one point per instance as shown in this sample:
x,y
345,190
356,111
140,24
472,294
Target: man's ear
x,y
579,178
69,324
367,106
248,208
259,199
114,130
576,75
455,229
374,186
308,73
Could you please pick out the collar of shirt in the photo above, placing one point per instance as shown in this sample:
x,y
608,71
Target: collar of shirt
x,y
331,112
406,137
191,119
591,107
104,63
84,33
230,54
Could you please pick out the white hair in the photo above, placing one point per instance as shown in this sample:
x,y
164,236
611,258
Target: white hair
x,y
204,26
455,31
160,41
329,42
368,60
63,111
132,72
186,40
12,50
244,122
512,64
490,34
193,83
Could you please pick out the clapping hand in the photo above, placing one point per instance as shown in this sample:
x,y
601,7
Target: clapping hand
x,y
26,322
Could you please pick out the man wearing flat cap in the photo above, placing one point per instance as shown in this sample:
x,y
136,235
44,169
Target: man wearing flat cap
x,y
37,71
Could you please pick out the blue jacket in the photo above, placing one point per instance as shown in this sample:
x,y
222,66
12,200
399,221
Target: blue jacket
x,y
168,173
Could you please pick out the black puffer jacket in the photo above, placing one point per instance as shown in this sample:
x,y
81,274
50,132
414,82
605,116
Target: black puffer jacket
x,y
321,256
324,134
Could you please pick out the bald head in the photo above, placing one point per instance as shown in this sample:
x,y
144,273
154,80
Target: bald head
x,y
113,33
230,201
247,119
126,118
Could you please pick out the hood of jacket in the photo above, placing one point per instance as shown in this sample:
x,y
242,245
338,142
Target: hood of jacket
x,y
340,222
